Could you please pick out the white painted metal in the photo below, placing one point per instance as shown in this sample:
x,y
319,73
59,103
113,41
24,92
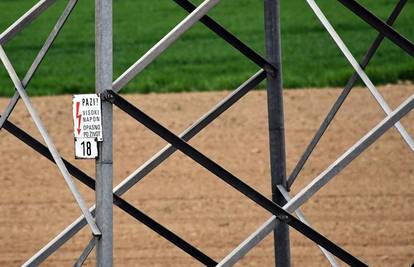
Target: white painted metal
x,y
252,241
164,43
57,242
24,20
256,237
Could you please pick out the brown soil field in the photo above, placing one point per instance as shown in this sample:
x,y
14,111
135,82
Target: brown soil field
x,y
368,208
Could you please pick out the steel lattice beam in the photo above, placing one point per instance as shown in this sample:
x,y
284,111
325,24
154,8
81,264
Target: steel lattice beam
x,y
379,25
302,217
56,156
229,178
39,58
322,179
164,43
230,38
85,253
343,96
151,164
179,142
361,73
25,20
118,201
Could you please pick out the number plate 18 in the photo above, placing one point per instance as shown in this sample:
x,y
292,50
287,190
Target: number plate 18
x,y
86,148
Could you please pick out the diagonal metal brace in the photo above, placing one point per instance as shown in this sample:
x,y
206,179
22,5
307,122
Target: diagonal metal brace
x,y
85,253
379,25
39,58
230,38
342,97
232,180
163,44
155,161
25,20
301,217
118,201
347,53
56,156
306,193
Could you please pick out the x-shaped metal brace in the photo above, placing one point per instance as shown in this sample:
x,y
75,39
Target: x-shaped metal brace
x,y
229,178
269,68
343,96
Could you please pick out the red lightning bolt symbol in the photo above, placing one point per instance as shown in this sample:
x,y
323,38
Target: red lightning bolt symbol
x,y
78,116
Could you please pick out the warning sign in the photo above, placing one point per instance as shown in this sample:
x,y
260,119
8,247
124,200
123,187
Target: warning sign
x,y
86,148
87,117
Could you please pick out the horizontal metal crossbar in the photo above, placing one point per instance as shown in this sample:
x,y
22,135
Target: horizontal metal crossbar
x,y
379,25
118,201
229,178
324,178
230,38
163,44
157,159
39,58
24,20
342,97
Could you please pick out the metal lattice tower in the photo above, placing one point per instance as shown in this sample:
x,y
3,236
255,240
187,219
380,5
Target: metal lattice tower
x,y
281,206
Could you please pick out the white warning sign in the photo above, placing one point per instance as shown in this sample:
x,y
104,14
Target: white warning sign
x,y
87,116
86,148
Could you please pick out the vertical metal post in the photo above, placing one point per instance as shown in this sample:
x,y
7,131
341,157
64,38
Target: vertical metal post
x,y
276,126
104,169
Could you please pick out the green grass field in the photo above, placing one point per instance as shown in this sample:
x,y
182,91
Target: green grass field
x,y
200,60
